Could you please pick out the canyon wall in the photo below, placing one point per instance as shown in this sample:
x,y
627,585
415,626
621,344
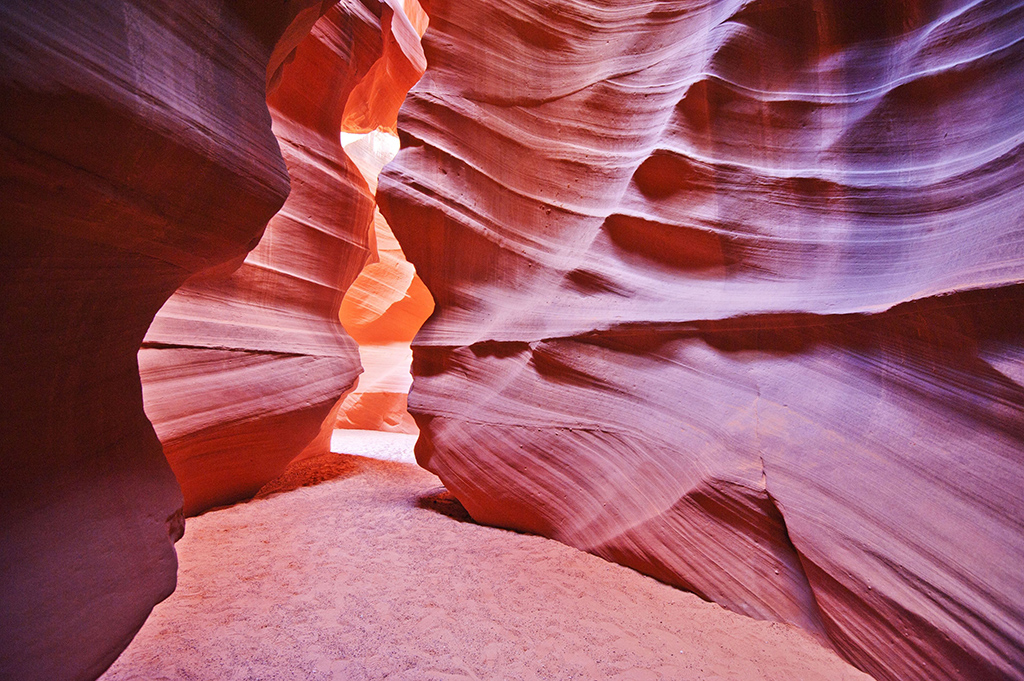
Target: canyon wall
x,y
387,303
243,364
137,153
732,293
382,310
258,347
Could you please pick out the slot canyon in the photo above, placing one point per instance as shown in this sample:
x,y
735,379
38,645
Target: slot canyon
x,y
714,313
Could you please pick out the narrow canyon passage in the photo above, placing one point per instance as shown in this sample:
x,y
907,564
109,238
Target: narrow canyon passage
x,y
722,294
374,574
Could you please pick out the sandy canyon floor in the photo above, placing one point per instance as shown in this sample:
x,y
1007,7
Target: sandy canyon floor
x,y
350,568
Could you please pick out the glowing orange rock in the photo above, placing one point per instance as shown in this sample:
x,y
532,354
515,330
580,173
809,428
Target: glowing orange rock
x,y
376,99
383,310
241,368
388,303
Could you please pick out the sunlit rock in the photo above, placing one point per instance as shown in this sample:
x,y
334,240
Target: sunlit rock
x,y
731,293
388,303
243,364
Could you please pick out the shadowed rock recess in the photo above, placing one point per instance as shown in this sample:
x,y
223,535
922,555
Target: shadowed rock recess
x,y
731,292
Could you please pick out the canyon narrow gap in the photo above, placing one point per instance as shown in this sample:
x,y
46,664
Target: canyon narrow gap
x,y
260,348
702,323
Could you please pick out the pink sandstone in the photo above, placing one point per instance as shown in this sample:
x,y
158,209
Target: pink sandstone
x,y
731,293
243,364
137,153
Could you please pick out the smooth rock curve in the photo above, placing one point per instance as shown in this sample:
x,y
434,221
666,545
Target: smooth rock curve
x,y
135,150
730,293
243,364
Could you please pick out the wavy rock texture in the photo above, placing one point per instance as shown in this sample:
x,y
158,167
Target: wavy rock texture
x,y
240,368
375,102
387,303
731,293
135,151
260,349
382,310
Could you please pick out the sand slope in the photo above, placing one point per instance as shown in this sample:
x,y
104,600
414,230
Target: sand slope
x,y
376,573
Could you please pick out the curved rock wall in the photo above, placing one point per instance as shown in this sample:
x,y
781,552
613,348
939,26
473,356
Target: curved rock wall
x,y
382,310
387,303
243,364
731,293
135,151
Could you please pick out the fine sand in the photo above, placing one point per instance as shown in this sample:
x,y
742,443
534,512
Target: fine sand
x,y
375,572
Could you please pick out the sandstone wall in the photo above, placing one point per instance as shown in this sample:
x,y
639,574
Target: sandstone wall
x,y
136,150
731,293
382,310
243,364
387,303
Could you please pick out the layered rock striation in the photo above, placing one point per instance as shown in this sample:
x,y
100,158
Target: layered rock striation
x,y
382,310
242,365
387,303
731,293
259,348
137,153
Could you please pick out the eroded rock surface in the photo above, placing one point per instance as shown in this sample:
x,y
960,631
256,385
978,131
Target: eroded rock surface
x,y
136,151
731,293
382,310
387,303
243,364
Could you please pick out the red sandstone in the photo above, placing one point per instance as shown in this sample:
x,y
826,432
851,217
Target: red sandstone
x,y
728,293
731,293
